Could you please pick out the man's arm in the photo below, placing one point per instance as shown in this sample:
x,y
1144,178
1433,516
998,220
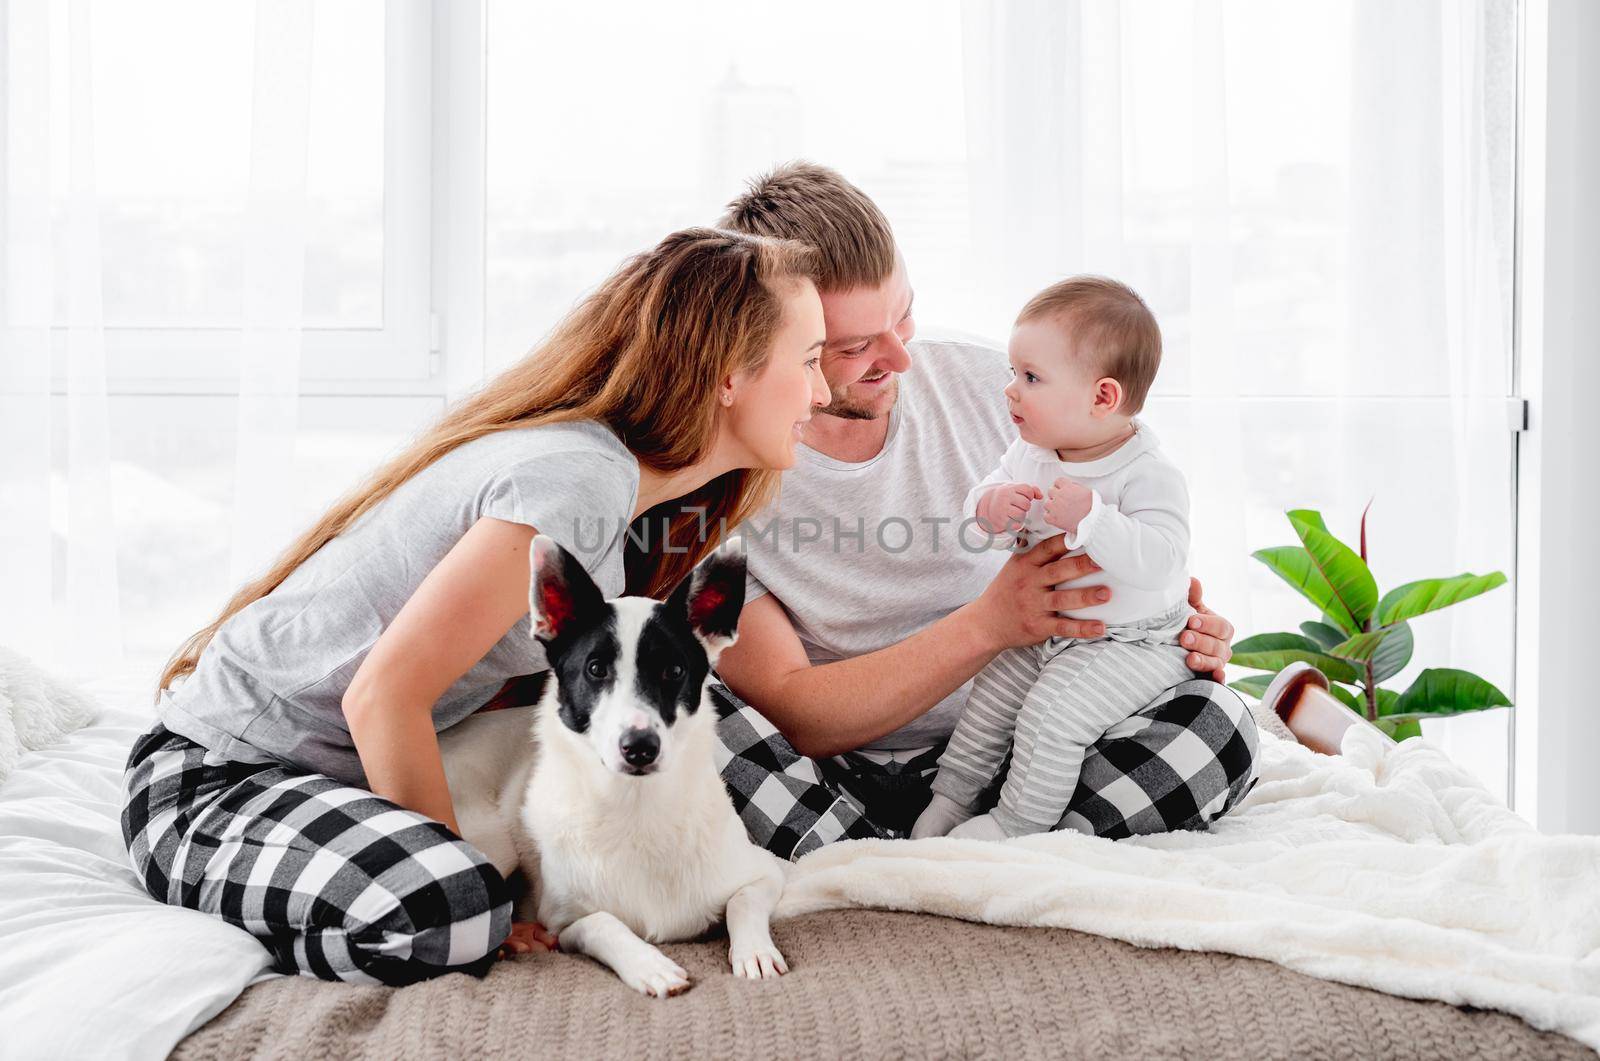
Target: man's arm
x,y
836,707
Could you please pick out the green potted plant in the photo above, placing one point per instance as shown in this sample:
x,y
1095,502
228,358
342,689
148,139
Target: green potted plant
x,y
1363,640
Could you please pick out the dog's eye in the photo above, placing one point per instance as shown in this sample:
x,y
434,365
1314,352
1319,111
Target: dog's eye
x,y
673,673
596,670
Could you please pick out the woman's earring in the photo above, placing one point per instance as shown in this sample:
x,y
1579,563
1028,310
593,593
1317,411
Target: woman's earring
x,y
727,399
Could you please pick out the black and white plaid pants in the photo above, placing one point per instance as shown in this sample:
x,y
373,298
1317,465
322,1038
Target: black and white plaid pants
x,y
1181,763
337,882
341,884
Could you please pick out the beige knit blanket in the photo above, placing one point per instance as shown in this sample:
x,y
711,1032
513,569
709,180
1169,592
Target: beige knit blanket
x,y
869,983
876,984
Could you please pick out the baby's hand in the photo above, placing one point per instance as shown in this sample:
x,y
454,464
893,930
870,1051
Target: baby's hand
x,y
1068,503
1004,508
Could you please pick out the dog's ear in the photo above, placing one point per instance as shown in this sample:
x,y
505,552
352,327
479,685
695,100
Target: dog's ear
x,y
712,596
561,595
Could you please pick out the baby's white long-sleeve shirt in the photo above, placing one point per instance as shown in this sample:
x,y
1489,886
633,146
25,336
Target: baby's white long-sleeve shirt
x,y
1137,529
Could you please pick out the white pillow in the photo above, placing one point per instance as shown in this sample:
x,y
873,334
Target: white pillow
x,y
36,709
90,964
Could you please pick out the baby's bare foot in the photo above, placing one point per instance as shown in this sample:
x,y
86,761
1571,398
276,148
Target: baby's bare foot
x,y
942,815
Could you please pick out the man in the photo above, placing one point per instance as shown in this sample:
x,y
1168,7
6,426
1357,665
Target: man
x,y
867,614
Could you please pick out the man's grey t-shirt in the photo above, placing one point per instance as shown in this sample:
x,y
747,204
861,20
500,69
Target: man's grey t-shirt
x,y
863,555
269,686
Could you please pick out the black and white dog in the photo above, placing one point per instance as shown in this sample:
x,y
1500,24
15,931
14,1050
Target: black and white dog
x,y
606,793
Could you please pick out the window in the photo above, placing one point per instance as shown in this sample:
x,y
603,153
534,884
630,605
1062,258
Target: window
x,y
172,92
1316,200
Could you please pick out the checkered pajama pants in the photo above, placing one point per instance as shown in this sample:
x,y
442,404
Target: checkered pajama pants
x,y
1180,763
337,882
341,884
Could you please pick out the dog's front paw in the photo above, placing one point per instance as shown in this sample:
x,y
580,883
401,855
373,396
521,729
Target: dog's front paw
x,y
761,962
653,973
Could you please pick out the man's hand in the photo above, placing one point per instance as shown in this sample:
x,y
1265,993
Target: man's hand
x,y
1208,638
1067,504
1019,608
1004,508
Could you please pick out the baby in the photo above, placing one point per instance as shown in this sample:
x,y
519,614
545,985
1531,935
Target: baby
x,y
1083,355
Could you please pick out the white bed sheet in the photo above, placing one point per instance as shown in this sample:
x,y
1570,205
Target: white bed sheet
x,y
91,965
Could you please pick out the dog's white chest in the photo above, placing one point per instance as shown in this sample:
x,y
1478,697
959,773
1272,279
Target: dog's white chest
x,y
624,828
665,879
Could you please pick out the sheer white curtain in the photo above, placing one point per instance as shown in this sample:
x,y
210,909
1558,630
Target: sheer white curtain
x,y
61,588
59,535
274,287
1316,198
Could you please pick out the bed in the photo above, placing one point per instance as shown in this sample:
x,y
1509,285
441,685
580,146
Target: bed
x,y
879,984
89,967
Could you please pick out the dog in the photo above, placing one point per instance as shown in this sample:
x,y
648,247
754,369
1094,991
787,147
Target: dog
x,y
606,793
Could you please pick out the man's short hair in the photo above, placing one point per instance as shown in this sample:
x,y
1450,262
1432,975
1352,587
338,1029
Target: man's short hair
x,y
816,205
1109,323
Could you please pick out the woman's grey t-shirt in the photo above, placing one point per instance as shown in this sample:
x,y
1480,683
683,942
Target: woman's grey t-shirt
x,y
269,686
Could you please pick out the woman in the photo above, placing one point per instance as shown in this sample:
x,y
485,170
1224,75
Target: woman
x,y
293,785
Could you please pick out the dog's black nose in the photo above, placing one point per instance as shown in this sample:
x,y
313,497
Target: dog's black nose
x,y
640,747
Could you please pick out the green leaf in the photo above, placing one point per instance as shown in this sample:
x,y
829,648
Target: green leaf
x,y
1310,516
1349,699
1356,699
1444,691
1360,647
1400,729
1324,635
1388,650
1255,685
1395,717
1276,651
1294,565
1431,594
1395,653
1344,571
1272,643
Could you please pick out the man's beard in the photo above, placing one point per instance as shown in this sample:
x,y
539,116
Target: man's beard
x,y
846,409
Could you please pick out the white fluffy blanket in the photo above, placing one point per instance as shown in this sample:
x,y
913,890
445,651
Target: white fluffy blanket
x,y
1387,867
36,709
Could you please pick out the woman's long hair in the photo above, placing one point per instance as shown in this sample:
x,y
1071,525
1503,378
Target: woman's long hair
x,y
643,354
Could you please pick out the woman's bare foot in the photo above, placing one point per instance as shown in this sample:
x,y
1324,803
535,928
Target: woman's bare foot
x,y
527,937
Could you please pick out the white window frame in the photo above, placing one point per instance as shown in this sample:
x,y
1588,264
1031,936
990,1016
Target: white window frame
x,y
397,358
1557,729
